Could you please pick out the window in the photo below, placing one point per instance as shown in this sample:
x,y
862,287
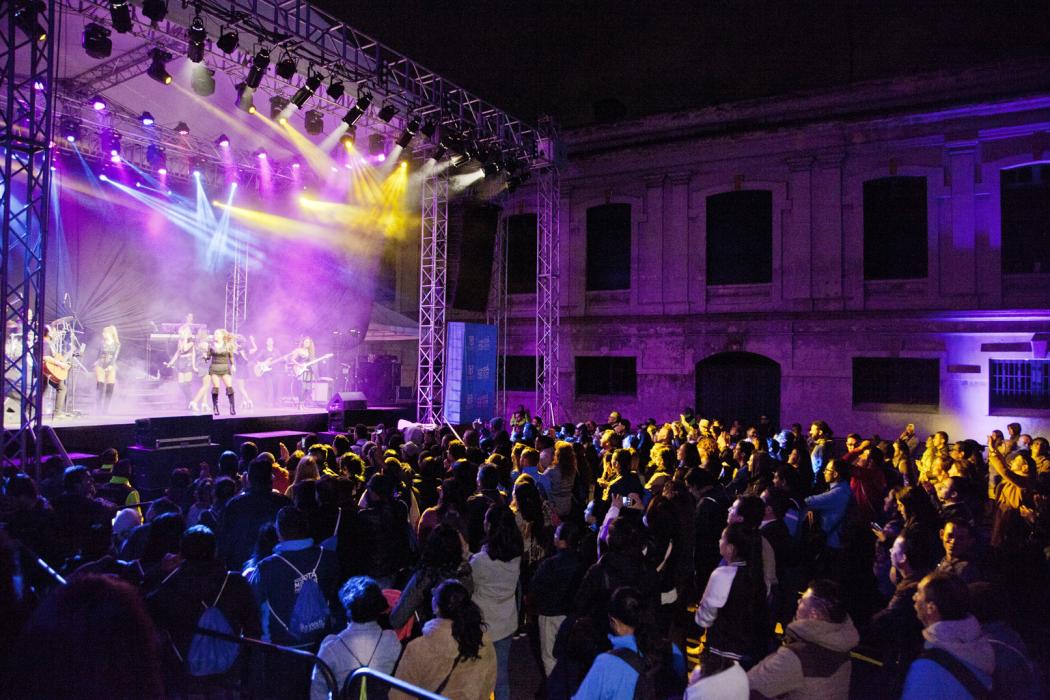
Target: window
x,y
895,239
740,237
1017,384
521,254
520,372
1025,202
896,380
609,247
606,376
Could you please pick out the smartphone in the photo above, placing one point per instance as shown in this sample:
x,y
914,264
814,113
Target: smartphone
x,y
875,526
628,501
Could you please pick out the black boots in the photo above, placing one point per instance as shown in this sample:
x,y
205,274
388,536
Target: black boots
x,y
108,398
100,390
233,403
215,401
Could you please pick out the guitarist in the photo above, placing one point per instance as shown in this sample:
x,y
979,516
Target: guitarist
x,y
264,368
56,369
300,359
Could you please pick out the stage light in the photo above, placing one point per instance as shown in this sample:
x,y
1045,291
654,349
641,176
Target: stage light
x,y
410,130
157,67
70,128
278,103
155,10
182,129
96,41
429,128
228,41
223,141
259,65
203,80
439,153
306,91
347,139
38,85
162,171
120,14
103,177
147,119
156,157
491,168
358,110
286,67
335,89
98,104
260,154
387,112
197,36
314,122
295,165
26,19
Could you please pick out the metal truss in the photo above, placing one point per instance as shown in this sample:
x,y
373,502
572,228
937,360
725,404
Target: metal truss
x,y
548,315
496,310
433,259
28,115
235,311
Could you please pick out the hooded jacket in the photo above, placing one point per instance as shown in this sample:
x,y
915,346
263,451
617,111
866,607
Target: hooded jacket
x,y
813,662
428,659
964,640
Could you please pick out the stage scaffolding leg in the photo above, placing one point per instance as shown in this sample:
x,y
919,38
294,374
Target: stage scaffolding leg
x,y
28,115
236,309
496,314
547,293
432,261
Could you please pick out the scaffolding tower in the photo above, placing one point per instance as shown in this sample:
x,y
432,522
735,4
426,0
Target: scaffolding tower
x,y
433,257
548,314
27,45
235,311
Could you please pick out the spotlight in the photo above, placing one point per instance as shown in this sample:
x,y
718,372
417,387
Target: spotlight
x,y
259,65
197,36
203,80
347,139
358,110
223,141
492,168
147,119
156,157
26,19
182,129
387,112
111,142
155,10
96,41
277,105
286,67
70,128
408,133
120,13
295,165
227,41
335,89
314,122
429,128
260,154
157,69
439,153
306,91
98,104
245,98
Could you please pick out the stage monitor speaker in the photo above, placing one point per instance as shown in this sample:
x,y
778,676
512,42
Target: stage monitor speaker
x,y
342,403
173,431
477,239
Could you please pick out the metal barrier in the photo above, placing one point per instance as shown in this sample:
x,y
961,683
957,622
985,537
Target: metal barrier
x,y
365,673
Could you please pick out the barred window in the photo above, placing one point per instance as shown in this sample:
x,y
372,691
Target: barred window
x,y
1018,384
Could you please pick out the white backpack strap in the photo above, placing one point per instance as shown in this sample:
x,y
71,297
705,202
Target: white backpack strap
x,y
296,570
223,588
314,570
338,519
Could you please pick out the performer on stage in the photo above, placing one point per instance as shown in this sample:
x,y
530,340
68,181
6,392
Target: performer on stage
x,y
106,368
202,343
56,369
265,369
221,352
302,370
185,363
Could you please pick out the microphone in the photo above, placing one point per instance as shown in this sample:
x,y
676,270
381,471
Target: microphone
x,y
65,299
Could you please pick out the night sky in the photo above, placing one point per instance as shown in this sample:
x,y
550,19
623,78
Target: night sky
x,y
562,57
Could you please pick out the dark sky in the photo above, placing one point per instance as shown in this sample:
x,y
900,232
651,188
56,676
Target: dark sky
x,y
560,57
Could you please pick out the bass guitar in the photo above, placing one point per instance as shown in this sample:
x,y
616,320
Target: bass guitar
x,y
299,368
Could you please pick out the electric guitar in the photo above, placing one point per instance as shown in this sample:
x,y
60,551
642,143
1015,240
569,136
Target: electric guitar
x,y
266,366
300,368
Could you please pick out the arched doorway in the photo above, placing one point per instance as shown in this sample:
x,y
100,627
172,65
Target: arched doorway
x,y
739,385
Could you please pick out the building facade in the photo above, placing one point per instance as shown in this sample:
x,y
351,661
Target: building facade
x,y
870,256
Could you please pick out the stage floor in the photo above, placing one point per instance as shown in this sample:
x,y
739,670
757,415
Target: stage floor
x,y
87,419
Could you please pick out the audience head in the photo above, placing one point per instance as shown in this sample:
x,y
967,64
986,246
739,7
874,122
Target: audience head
x,y
228,463
292,524
452,601
197,544
822,600
958,538
443,549
249,451
363,599
260,473
747,510
77,480
503,540
941,597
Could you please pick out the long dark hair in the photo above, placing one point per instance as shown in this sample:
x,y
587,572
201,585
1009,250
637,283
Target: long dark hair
x,y
443,550
748,546
628,606
503,540
452,602
452,496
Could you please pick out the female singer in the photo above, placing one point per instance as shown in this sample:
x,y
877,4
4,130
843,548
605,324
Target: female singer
x,y
185,363
220,368
106,368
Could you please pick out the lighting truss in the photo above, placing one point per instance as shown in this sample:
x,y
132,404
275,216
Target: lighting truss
x,y
496,310
548,315
432,276
25,135
236,309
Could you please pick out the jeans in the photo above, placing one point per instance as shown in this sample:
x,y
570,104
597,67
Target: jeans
x,y
503,667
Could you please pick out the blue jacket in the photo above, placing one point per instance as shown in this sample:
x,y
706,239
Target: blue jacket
x,y
611,678
273,582
832,506
928,680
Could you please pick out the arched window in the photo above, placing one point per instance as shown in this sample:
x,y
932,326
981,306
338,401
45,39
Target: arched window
x,y
740,237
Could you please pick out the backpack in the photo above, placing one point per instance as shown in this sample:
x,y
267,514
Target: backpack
x,y
959,671
310,610
655,683
208,655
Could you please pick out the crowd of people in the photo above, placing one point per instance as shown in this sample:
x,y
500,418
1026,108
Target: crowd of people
x,y
689,558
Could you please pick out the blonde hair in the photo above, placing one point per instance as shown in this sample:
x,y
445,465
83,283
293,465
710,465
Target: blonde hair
x,y
111,329
565,458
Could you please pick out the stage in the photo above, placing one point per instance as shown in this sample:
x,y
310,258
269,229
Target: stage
x,y
162,440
